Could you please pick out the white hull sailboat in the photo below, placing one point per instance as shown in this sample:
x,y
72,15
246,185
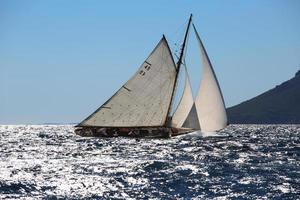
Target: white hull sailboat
x,y
142,106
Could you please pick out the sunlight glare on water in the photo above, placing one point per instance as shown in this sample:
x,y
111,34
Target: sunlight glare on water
x,y
249,161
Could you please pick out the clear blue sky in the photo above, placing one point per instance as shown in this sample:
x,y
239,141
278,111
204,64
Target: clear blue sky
x,y
60,60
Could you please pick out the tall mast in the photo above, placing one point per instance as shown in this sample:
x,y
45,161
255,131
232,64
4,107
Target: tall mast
x,y
179,62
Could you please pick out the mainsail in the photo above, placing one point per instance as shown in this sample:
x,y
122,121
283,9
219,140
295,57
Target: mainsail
x,y
209,101
144,100
142,106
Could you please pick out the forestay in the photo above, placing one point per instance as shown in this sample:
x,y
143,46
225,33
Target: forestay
x,y
209,101
145,99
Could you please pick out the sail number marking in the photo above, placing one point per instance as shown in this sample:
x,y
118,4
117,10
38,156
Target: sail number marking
x,y
146,68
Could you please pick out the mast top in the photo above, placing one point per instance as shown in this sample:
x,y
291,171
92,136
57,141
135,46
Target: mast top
x,y
179,62
184,43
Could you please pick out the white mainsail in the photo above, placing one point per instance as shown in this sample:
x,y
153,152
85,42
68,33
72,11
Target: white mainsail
x,y
145,99
185,105
209,101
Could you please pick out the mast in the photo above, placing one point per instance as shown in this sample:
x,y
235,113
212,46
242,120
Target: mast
x,y
179,62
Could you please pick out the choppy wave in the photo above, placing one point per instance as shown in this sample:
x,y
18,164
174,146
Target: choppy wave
x,y
242,161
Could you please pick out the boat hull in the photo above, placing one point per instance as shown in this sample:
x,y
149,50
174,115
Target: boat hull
x,y
147,132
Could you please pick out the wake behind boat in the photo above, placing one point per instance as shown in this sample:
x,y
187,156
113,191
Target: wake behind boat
x,y
142,106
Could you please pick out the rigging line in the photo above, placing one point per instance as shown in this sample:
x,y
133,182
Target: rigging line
x,y
185,50
181,28
176,56
175,37
184,43
167,123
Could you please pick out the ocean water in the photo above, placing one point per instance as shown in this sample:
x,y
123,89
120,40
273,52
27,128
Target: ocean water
x,y
240,162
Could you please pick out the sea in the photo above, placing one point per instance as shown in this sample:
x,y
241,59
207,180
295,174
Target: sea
x,y
239,162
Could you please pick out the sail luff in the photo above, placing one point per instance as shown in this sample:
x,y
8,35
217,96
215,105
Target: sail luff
x,y
185,104
208,60
143,100
174,85
179,62
209,102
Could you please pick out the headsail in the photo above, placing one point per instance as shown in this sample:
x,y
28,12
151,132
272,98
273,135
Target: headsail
x,y
185,105
179,63
209,101
145,99
192,120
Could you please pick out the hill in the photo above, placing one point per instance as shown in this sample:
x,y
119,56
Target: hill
x,y
280,105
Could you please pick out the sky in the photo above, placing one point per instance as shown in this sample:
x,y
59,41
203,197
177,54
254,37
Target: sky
x,y
60,60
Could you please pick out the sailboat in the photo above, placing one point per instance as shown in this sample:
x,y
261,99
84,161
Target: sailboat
x,y
142,107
